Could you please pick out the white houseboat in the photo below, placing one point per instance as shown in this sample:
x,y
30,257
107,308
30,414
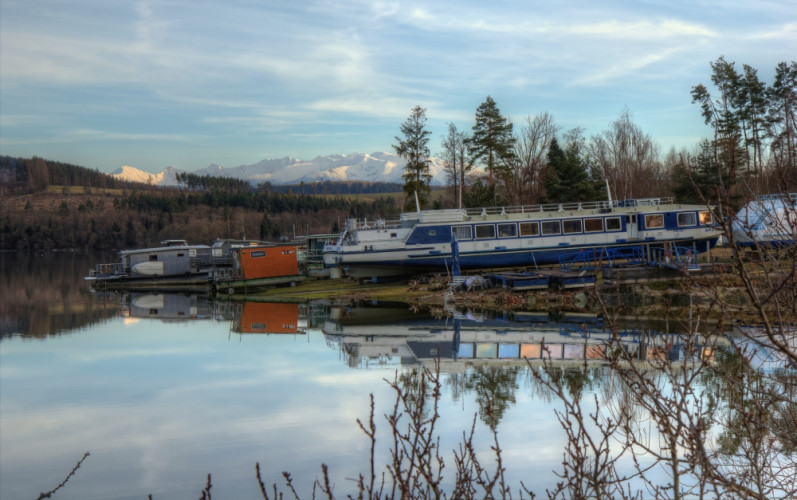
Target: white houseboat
x,y
481,238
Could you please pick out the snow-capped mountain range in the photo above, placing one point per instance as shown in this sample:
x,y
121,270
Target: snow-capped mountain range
x,y
374,167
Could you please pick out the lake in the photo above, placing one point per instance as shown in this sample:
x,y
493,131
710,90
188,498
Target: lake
x,y
164,389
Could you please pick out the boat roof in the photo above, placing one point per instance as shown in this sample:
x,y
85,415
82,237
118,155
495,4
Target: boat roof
x,y
172,248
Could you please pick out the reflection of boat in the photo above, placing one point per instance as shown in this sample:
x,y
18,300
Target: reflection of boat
x,y
244,317
167,306
515,236
758,349
266,317
516,339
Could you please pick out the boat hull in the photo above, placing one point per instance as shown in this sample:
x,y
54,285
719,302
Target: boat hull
x,y
403,262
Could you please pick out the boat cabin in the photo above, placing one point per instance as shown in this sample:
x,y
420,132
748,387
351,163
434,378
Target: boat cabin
x,y
266,262
163,261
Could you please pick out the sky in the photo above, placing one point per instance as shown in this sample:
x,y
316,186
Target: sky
x,y
190,83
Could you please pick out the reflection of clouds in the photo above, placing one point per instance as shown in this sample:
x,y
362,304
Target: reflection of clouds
x,y
171,406
15,371
109,354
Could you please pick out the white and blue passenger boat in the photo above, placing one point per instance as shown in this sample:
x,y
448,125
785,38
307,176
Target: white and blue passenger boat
x,y
528,235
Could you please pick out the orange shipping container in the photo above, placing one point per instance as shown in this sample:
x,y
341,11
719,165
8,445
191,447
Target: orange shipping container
x,y
268,262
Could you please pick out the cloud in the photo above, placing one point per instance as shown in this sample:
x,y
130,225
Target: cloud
x,y
639,30
107,135
621,69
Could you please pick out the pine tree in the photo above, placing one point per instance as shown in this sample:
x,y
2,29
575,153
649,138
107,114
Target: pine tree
x,y
492,138
567,178
415,149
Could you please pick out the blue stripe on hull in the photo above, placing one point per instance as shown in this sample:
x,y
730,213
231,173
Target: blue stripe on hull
x,y
509,258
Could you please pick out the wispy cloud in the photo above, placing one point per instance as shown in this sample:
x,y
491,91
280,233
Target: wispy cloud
x,y
206,71
95,135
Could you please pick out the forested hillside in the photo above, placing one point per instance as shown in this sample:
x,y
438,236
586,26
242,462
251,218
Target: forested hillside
x,y
49,205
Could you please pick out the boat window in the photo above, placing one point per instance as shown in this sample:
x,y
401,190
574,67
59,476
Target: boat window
x,y
706,219
507,230
687,219
153,258
572,226
485,231
462,232
654,221
593,225
529,228
432,232
613,224
551,227
181,255
259,253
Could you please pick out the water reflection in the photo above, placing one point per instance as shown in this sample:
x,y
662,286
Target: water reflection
x,y
153,386
167,306
382,334
44,294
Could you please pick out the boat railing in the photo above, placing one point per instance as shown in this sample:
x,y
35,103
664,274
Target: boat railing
x,y
365,224
208,261
603,205
107,269
566,207
790,198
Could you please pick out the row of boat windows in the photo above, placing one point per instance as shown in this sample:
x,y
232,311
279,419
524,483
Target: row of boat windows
x,y
568,226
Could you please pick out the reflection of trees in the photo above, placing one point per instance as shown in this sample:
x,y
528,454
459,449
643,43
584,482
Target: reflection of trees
x,y
46,294
714,426
495,391
756,421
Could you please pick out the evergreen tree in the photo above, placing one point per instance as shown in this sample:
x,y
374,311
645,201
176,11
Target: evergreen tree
x,y
492,141
695,180
782,122
414,147
567,178
480,195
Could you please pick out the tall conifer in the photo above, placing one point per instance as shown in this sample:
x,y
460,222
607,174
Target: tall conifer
x,y
414,147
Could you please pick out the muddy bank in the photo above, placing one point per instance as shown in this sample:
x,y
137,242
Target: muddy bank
x,y
714,297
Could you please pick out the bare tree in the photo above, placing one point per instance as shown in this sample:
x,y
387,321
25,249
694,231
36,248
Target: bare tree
x,y
628,158
528,163
457,162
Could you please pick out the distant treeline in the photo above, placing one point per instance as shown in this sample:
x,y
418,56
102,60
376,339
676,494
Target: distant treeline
x,y
110,214
267,202
195,182
27,175
339,188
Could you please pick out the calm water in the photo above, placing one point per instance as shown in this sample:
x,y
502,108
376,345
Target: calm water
x,y
163,389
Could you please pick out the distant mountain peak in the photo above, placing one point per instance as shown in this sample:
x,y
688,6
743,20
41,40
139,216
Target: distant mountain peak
x,y
374,167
